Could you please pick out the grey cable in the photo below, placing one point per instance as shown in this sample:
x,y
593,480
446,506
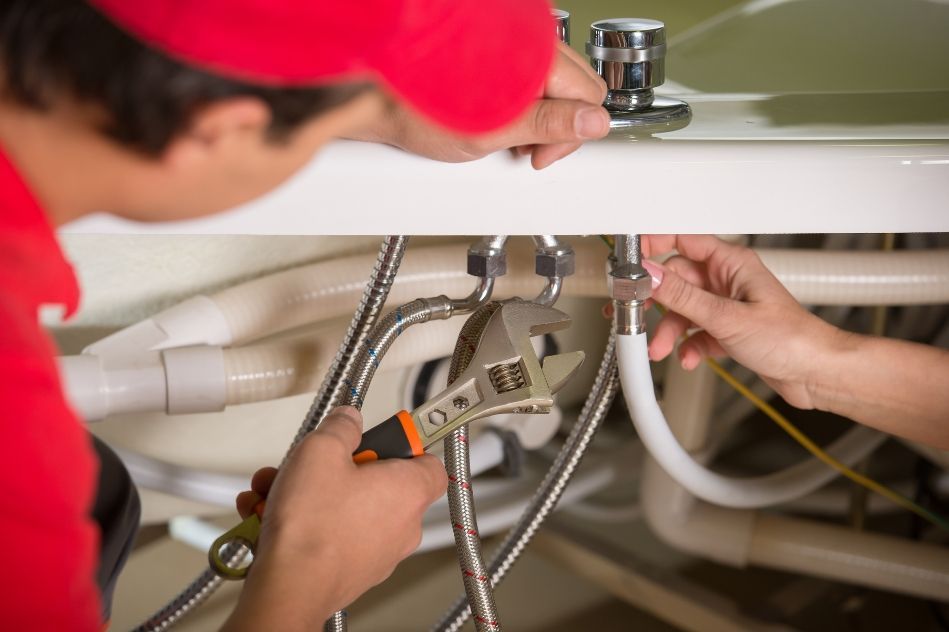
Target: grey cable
x,y
365,316
555,482
474,574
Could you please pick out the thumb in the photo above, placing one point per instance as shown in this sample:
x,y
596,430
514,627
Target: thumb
x,y
552,121
344,423
703,308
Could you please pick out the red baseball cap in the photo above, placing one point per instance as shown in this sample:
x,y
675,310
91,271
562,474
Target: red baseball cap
x,y
470,65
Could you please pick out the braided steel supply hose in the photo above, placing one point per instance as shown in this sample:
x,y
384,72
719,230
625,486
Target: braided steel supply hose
x,y
555,482
364,318
364,368
464,522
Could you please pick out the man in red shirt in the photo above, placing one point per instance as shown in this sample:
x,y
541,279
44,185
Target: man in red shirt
x,y
167,109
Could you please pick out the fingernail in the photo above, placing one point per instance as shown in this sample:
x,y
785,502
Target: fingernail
x,y
655,271
591,123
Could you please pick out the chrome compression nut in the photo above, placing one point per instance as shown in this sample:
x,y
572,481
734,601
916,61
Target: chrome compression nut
x,y
487,263
554,262
630,287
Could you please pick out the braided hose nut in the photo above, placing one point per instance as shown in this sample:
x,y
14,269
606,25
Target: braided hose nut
x,y
556,262
487,264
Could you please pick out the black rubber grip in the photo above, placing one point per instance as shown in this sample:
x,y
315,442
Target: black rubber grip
x,y
394,438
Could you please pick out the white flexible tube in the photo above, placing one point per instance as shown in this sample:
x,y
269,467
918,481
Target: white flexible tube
x,y
122,381
270,371
326,290
827,277
320,291
763,491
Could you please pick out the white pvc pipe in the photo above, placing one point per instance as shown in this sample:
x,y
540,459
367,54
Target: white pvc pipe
x,y
742,537
869,559
794,482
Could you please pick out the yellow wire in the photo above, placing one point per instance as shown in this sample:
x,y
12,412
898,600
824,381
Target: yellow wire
x,y
816,450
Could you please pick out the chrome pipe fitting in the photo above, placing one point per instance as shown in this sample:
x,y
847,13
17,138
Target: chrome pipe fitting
x,y
555,260
629,53
487,261
629,284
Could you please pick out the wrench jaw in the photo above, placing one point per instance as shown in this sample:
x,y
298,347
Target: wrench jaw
x,y
505,375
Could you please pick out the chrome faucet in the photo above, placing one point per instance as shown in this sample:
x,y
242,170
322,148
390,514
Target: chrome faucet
x,y
629,53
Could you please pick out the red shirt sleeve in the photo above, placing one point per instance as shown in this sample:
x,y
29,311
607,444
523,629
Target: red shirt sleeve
x,y
47,472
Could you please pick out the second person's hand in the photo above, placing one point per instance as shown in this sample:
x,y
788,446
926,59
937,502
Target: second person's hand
x,y
743,312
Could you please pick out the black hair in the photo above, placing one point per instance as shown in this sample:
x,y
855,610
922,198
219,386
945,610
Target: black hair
x,y
55,48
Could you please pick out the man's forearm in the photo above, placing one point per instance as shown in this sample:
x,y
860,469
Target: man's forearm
x,y
895,386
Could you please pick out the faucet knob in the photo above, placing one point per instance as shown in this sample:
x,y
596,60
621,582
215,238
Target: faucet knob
x,y
561,24
629,53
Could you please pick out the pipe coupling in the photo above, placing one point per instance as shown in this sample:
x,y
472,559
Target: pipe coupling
x,y
629,317
439,307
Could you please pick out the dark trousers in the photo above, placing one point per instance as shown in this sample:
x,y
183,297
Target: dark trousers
x,y
117,510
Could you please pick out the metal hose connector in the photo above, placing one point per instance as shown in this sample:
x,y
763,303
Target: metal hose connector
x,y
545,499
364,318
464,522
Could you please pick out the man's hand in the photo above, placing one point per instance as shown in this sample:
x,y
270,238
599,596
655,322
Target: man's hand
x,y
331,529
743,312
569,113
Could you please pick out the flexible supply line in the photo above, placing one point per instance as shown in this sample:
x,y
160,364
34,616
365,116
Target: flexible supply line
x,y
478,589
553,260
552,488
377,345
374,348
762,491
826,457
370,306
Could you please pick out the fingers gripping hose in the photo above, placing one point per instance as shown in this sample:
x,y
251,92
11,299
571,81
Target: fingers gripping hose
x,y
364,318
461,508
552,487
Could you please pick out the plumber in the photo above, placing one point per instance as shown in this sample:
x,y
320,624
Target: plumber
x,y
171,109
